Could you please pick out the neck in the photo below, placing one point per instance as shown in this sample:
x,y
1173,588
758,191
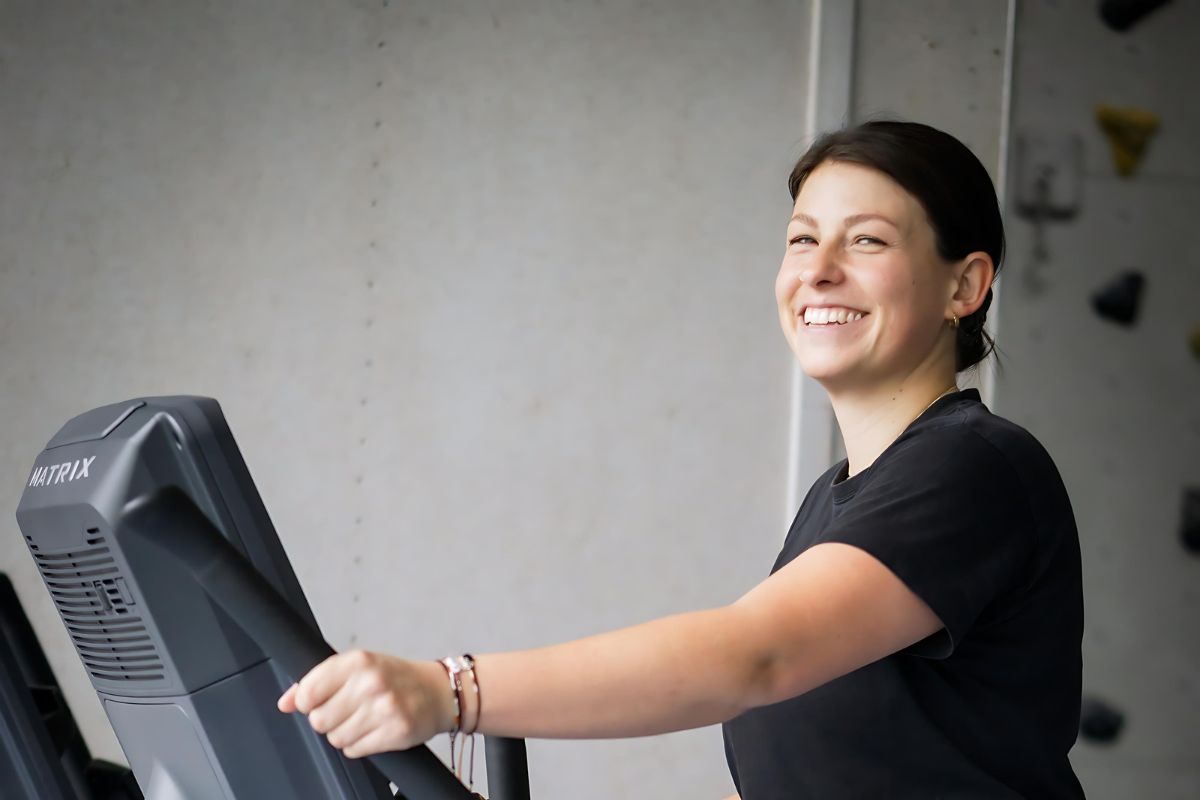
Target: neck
x,y
870,421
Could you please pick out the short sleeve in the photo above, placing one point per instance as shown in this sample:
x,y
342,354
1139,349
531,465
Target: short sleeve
x,y
946,513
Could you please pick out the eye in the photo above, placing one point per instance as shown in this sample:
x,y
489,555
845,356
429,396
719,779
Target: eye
x,y
867,240
802,239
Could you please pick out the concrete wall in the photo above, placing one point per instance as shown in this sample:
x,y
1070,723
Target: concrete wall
x,y
941,62
485,293
1117,406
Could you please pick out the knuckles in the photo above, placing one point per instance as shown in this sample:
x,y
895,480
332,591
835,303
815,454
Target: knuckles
x,y
373,681
389,703
370,681
360,659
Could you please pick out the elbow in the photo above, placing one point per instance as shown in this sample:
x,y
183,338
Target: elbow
x,y
763,670
773,680
777,664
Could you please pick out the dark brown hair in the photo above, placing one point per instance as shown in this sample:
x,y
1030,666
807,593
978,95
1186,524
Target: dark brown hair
x,y
946,179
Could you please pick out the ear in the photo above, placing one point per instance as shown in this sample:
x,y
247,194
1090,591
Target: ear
x,y
973,278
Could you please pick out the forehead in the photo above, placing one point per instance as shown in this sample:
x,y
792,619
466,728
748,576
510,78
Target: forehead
x,y
835,190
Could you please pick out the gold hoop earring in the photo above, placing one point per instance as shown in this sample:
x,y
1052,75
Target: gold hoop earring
x,y
954,324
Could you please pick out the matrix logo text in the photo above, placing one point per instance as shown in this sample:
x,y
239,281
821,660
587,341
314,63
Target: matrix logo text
x,y
61,473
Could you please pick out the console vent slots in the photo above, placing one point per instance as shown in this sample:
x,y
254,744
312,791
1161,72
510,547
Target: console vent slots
x,y
99,612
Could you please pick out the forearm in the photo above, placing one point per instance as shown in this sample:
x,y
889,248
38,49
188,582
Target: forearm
x,y
674,673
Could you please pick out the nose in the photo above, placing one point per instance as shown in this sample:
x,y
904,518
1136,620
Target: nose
x,y
821,266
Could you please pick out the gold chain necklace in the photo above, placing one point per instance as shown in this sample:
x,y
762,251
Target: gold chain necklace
x,y
952,389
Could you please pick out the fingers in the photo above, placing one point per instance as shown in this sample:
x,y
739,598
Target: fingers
x,y
325,679
359,690
287,702
360,723
363,702
336,689
376,726
380,740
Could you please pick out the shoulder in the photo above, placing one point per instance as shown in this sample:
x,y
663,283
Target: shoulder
x,y
984,456
970,437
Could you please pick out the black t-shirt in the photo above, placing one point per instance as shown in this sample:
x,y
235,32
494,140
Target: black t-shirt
x,y
968,509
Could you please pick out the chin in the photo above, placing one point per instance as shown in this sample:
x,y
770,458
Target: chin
x,y
820,368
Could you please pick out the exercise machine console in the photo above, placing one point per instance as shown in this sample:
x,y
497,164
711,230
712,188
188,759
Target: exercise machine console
x,y
185,612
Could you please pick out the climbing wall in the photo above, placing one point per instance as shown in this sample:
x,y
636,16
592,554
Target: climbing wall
x,y
1100,307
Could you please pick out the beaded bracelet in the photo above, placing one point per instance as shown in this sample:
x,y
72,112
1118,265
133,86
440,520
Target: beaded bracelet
x,y
468,663
454,669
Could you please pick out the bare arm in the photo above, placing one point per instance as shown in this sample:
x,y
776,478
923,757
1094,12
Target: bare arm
x,y
673,673
833,609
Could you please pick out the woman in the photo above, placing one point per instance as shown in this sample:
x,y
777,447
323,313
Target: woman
x,y
919,635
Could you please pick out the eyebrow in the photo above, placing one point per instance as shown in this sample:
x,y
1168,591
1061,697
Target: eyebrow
x,y
849,221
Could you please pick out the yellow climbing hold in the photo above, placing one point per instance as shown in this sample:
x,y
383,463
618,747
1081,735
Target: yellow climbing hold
x,y
1129,131
1195,341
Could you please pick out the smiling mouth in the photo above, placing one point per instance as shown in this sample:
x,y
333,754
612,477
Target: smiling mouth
x,y
831,325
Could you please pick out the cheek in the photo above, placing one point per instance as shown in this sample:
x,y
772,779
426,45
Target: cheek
x,y
786,283
907,307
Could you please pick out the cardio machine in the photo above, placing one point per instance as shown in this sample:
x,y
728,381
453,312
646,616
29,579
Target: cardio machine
x,y
186,614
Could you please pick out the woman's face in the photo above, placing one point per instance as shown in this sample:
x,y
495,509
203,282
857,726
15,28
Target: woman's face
x,y
858,241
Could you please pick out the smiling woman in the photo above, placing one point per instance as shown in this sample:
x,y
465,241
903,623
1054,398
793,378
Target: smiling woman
x,y
919,634
892,247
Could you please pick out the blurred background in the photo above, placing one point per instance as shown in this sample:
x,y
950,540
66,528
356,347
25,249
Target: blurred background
x,y
485,290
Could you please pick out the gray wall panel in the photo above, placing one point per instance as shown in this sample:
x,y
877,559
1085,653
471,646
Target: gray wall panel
x,y
940,62
486,296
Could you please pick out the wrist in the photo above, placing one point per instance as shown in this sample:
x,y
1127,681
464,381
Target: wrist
x,y
438,684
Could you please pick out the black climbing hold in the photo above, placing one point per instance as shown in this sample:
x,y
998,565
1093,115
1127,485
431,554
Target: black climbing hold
x,y
1189,528
1098,721
1121,15
1118,301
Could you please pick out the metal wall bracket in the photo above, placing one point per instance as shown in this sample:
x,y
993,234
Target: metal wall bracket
x,y
1049,188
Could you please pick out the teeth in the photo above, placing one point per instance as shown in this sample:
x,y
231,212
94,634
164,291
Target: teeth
x,y
826,316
